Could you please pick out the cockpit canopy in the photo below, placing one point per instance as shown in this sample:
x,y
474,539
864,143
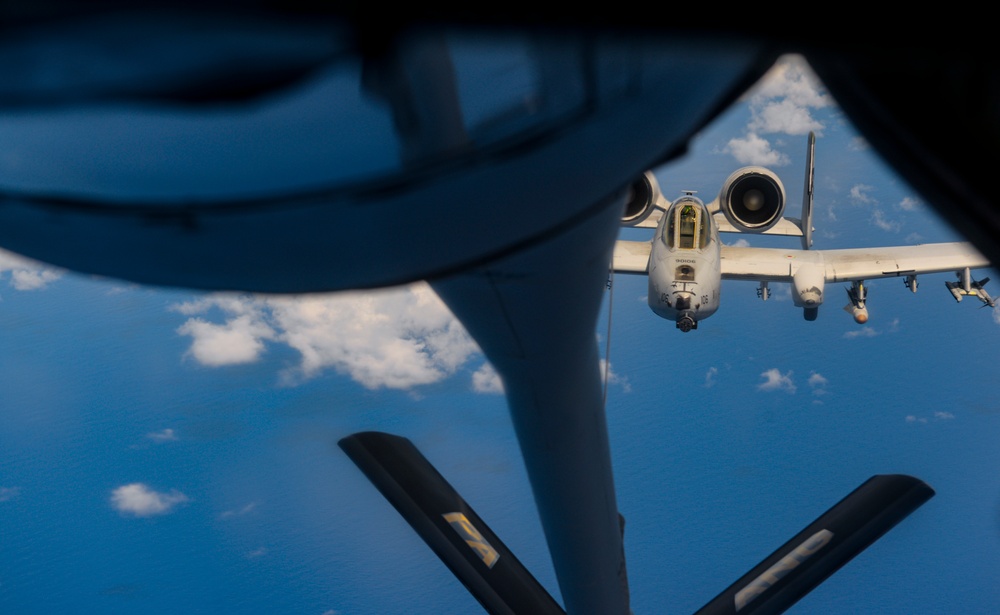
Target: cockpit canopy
x,y
687,224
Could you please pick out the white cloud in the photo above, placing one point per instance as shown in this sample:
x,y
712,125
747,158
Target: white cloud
x,y
487,380
858,144
878,219
607,370
818,384
9,493
774,380
938,416
24,279
167,435
791,77
785,116
863,332
858,194
780,291
784,98
781,102
247,509
139,500
394,338
753,149
26,274
240,339
710,376
909,204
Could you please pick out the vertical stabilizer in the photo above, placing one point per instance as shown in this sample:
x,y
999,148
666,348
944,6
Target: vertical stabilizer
x,y
807,194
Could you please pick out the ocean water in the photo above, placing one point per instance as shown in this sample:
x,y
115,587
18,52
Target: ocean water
x,y
265,514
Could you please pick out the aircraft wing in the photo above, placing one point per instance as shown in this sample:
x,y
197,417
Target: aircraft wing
x,y
778,265
651,221
790,227
631,256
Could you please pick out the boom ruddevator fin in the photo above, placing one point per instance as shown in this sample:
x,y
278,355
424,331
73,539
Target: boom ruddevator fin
x,y
449,526
501,583
823,547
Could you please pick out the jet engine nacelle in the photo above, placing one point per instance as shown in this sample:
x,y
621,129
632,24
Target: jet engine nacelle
x,y
752,199
642,198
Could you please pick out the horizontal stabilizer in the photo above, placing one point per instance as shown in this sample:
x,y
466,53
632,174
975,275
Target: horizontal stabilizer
x,y
823,547
448,525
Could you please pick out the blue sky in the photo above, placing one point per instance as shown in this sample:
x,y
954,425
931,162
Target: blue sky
x,y
164,450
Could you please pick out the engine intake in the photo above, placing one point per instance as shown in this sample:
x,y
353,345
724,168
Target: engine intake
x,y
643,195
752,199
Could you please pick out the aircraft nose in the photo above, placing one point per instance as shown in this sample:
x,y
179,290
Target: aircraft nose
x,y
686,322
